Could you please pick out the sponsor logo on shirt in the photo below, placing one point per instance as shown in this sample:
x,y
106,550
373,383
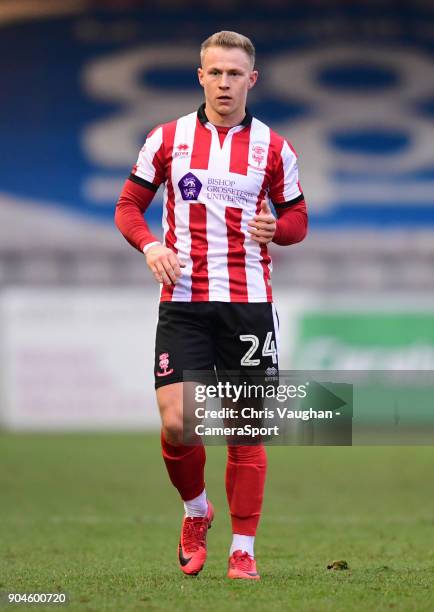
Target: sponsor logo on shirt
x,y
190,187
227,191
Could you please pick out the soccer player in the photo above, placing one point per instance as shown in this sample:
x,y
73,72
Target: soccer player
x,y
220,168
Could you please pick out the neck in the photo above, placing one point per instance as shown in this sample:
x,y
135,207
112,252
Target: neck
x,y
224,120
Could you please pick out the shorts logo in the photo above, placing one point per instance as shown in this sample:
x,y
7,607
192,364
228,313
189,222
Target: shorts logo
x,y
270,372
258,154
164,364
190,187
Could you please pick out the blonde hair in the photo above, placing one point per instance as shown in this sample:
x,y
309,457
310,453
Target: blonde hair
x,y
230,40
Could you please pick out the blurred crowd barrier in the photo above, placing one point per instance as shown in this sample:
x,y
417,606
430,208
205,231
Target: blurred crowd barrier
x,y
77,358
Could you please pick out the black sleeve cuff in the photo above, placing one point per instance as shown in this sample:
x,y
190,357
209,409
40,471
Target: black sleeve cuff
x,y
285,205
143,182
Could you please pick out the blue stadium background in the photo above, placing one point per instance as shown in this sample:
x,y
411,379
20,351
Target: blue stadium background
x,y
350,85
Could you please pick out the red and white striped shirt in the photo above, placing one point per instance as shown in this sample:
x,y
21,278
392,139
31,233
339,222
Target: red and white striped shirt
x,y
212,189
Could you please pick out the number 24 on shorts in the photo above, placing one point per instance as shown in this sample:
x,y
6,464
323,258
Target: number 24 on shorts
x,y
269,349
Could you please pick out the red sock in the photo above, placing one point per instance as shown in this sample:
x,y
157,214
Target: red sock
x,y
245,479
185,465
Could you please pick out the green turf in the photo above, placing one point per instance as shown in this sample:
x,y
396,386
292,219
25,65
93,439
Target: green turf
x,y
94,515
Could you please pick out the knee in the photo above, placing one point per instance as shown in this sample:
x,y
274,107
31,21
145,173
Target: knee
x,y
172,429
169,399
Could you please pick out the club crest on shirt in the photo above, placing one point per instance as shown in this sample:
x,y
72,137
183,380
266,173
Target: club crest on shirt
x,y
258,154
190,187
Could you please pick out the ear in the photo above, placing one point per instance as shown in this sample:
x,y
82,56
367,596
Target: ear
x,y
200,75
253,78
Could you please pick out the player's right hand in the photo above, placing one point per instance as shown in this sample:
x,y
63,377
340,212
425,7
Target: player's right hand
x,y
164,264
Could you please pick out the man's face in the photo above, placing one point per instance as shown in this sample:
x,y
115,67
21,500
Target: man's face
x,y
226,76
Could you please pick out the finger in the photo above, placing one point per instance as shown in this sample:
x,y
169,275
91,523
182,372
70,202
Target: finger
x,y
174,262
163,274
265,230
168,268
176,271
261,234
172,275
261,239
156,275
264,207
263,224
268,218
171,272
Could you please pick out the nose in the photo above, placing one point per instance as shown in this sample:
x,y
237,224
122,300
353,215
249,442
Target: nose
x,y
224,83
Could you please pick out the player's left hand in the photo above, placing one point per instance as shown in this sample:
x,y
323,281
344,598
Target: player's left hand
x,y
263,226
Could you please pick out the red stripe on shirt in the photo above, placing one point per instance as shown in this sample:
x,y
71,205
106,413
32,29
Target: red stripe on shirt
x,y
275,168
170,237
201,147
265,257
158,163
222,133
240,151
236,255
198,253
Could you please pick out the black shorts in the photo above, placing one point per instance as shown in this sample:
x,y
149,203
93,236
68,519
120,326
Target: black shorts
x,y
228,338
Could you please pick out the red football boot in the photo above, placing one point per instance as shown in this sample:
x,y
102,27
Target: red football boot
x,y
192,544
242,565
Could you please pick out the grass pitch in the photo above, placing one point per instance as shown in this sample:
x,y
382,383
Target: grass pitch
x,y
95,516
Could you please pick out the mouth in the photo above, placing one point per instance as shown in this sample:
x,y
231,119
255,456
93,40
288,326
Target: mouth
x,y
224,98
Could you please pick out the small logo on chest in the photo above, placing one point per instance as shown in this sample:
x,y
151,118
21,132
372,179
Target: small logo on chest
x,y
182,150
258,155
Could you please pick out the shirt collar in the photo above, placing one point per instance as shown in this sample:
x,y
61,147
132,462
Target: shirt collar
x,y
204,119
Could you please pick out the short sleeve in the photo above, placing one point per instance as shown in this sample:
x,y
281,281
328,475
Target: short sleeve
x,y
150,168
284,184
